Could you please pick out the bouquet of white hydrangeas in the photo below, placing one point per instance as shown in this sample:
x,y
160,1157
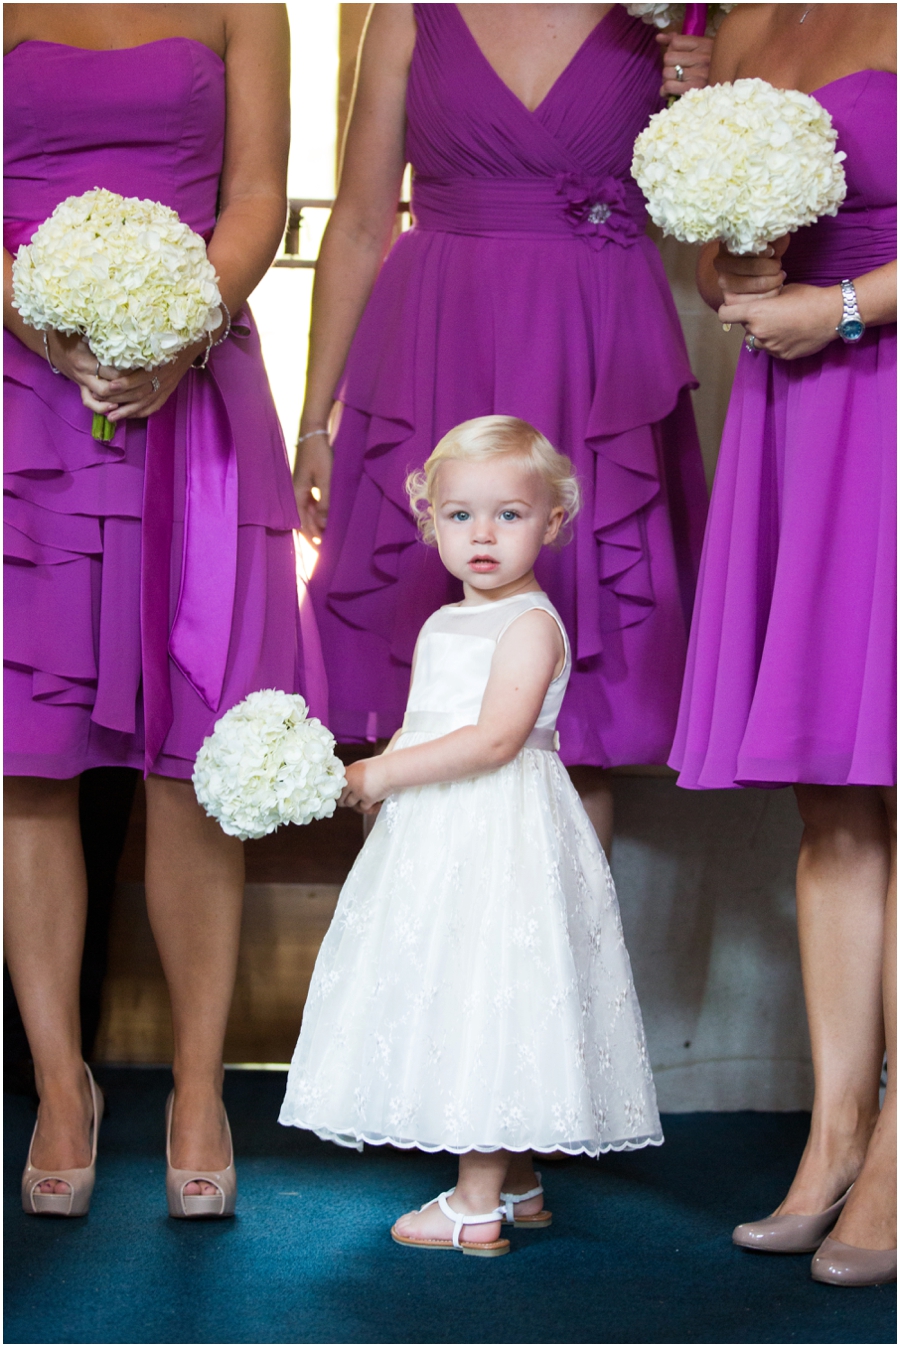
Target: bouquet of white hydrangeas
x,y
741,162
126,274
664,16
266,764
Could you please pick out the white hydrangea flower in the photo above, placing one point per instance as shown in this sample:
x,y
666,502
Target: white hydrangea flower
x,y
266,764
664,16
127,274
741,162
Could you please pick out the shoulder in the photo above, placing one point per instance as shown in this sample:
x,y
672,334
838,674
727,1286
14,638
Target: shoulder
x,y
534,622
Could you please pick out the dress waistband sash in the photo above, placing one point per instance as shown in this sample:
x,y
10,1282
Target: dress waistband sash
x,y
445,722
599,209
844,246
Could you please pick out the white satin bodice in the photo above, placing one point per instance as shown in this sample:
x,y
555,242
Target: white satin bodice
x,y
453,660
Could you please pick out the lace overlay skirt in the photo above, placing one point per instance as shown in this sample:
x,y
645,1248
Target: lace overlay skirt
x,y
474,991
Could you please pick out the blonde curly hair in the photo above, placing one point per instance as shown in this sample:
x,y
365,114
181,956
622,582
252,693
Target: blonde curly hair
x,y
487,437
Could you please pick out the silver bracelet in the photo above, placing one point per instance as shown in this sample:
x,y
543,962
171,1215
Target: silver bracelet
x,y
47,354
309,434
225,334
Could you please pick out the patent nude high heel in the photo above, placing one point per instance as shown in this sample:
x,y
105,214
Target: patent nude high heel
x,y
789,1233
194,1205
845,1265
80,1181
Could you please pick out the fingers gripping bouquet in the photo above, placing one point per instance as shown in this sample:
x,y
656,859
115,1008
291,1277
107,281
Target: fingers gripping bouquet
x,y
126,274
742,162
266,764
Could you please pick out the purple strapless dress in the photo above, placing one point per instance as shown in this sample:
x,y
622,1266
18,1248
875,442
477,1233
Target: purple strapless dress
x,y
791,673
526,287
149,582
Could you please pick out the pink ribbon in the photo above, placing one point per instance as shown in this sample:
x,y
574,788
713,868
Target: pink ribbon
x,y
694,20
200,634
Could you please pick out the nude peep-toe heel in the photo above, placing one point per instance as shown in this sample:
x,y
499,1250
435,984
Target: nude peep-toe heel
x,y
540,1220
193,1206
81,1181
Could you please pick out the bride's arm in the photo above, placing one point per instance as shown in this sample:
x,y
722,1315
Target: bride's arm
x,y
522,669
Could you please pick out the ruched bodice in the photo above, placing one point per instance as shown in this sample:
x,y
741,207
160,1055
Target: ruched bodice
x,y
150,580
546,171
152,126
863,234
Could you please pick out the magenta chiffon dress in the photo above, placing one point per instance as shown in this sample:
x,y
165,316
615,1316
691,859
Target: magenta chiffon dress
x,y
526,287
791,674
149,582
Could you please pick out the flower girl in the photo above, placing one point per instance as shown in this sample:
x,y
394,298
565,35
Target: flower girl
x,y
473,993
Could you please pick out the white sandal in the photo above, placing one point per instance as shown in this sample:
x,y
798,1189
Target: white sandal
x,y
492,1249
538,1221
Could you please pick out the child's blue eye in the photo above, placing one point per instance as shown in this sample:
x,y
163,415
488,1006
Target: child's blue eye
x,y
461,515
507,515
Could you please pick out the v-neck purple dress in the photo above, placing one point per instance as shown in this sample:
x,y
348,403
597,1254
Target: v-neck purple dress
x,y
791,675
526,287
150,582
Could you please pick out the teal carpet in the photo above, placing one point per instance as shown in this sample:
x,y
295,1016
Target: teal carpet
x,y
639,1251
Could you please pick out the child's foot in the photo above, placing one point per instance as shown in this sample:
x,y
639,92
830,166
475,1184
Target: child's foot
x,y
521,1177
431,1225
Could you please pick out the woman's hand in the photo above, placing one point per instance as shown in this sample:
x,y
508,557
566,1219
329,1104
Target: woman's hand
x,y
366,786
760,277
118,394
798,321
313,470
692,54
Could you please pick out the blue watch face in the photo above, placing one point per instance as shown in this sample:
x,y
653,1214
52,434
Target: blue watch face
x,y
851,329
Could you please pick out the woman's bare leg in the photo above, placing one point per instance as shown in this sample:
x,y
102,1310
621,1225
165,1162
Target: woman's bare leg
x,y
195,886
45,906
869,1220
592,784
842,883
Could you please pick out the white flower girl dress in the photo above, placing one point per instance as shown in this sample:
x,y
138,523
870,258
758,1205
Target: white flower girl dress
x,y
474,991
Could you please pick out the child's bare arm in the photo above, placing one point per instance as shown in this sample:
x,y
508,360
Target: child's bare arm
x,y
526,660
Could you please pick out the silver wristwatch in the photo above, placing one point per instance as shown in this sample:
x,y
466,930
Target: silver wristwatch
x,y
851,327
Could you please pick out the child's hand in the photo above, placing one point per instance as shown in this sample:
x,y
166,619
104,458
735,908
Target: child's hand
x,y
365,788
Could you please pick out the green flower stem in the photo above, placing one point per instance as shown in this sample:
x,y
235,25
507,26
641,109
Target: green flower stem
x,y
101,428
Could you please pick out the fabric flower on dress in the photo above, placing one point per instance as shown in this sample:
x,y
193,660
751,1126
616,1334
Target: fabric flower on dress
x,y
266,764
667,16
742,162
597,209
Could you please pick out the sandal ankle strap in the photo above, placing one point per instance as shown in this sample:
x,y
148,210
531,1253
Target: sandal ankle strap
x,y
460,1218
510,1199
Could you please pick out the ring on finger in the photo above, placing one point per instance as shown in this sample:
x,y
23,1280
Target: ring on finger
x,y
97,371
750,344
154,384
679,73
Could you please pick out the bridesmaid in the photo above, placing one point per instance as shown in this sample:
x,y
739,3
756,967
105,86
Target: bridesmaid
x,y
526,287
191,501
791,671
